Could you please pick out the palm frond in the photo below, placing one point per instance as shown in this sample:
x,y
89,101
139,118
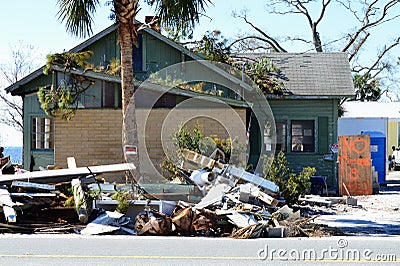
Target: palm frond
x,y
77,15
179,14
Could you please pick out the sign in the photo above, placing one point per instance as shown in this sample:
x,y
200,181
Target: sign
x,y
374,148
355,165
335,148
130,150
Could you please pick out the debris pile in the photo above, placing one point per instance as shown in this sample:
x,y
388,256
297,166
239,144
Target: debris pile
x,y
217,199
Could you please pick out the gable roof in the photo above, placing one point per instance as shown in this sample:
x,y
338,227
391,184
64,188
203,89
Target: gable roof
x,y
13,89
306,75
311,74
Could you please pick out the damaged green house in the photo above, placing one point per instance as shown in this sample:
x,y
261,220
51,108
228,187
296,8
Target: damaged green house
x,y
305,117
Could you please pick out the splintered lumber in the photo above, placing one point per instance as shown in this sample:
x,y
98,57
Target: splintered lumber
x,y
4,161
15,228
316,200
266,198
80,201
67,174
249,189
201,160
204,161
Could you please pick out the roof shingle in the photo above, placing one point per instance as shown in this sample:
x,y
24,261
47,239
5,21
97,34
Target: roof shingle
x,y
312,74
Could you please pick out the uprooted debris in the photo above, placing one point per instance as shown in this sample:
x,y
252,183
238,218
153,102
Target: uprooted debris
x,y
217,199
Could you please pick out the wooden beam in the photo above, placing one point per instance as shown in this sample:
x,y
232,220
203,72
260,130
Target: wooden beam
x,y
59,174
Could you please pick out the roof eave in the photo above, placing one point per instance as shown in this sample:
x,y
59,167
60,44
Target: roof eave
x,y
153,87
308,97
14,87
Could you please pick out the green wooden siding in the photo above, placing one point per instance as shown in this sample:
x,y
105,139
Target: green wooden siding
x,y
323,134
104,50
159,54
41,157
324,113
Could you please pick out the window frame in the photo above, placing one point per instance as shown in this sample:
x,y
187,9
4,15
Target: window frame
x,y
306,124
43,127
284,136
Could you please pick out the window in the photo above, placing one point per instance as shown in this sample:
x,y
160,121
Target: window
x,y
112,95
137,55
303,136
267,136
280,136
42,133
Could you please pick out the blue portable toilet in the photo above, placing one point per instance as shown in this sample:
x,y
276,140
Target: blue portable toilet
x,y
378,153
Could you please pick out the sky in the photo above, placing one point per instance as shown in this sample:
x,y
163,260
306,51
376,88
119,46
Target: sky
x,y
35,23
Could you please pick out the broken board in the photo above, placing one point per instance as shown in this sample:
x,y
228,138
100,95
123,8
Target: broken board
x,y
61,175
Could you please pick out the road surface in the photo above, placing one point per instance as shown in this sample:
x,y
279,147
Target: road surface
x,y
133,250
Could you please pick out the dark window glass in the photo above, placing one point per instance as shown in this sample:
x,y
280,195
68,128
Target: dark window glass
x,y
137,55
108,94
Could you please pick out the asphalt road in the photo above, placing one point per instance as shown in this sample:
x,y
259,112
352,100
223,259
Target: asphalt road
x,y
134,250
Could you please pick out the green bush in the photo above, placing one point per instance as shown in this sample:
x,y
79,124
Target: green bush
x,y
290,184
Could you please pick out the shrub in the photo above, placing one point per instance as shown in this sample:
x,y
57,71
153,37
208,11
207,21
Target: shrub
x,y
291,185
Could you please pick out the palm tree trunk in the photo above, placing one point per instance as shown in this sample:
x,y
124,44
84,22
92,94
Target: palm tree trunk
x,y
127,37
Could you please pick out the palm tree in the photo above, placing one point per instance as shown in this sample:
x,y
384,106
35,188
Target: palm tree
x,y
78,17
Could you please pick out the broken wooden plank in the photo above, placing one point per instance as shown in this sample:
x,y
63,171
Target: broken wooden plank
x,y
316,200
80,200
32,185
68,174
250,189
266,198
32,194
15,228
201,160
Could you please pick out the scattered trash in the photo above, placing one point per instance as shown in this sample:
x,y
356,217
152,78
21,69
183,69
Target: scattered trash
x,y
108,222
215,199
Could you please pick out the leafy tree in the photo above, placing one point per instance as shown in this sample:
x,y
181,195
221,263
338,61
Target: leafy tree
x,y
62,100
78,18
368,16
214,47
367,88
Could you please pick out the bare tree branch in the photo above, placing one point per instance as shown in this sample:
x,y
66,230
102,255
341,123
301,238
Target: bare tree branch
x,y
252,37
381,55
357,46
23,61
369,22
274,44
